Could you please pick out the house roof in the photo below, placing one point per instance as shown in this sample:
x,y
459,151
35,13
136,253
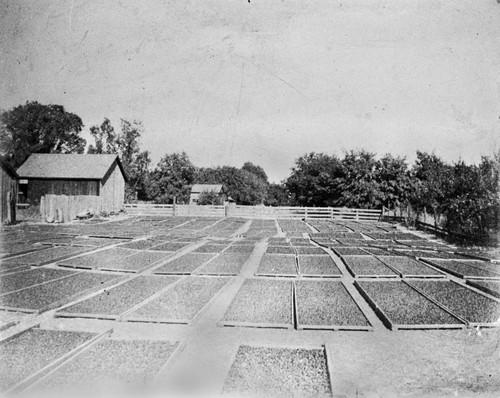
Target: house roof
x,y
68,166
198,188
9,170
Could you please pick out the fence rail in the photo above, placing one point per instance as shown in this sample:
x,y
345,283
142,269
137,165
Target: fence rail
x,y
452,236
433,223
254,211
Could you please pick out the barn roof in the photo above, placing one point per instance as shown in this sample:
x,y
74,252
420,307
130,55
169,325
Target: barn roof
x,y
198,188
68,166
9,170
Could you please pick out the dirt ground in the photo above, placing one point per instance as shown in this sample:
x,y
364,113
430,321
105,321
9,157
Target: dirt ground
x,y
378,363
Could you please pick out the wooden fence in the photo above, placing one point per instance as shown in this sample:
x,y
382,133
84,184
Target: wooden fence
x,y
433,224
64,208
254,211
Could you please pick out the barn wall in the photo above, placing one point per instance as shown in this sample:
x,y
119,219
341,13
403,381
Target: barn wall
x,y
39,188
113,190
8,198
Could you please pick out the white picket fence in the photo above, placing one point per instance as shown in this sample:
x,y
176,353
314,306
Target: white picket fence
x,y
149,209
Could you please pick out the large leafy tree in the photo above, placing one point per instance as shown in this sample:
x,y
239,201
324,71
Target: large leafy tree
x,y
245,187
126,144
105,138
358,185
37,128
395,183
356,180
277,195
172,179
472,204
433,179
256,170
314,180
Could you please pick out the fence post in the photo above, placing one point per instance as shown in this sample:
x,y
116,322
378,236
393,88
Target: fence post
x,y
72,207
65,206
357,215
305,213
42,207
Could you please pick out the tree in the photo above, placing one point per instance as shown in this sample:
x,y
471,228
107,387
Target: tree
x,y
105,138
395,183
243,186
252,190
472,204
358,180
314,180
210,198
126,145
358,186
135,161
36,128
172,179
433,179
256,170
277,195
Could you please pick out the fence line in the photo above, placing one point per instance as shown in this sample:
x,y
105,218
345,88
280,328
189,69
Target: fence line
x,y
254,211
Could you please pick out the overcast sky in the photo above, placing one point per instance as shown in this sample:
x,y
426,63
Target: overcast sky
x,y
267,81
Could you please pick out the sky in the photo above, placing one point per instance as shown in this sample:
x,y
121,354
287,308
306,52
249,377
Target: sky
x,y
266,81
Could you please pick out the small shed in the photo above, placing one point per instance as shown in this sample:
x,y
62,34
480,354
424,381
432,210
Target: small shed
x,y
8,193
197,189
74,175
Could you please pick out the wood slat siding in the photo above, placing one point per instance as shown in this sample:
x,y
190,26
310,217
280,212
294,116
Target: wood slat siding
x,y
8,198
113,190
40,187
68,206
255,211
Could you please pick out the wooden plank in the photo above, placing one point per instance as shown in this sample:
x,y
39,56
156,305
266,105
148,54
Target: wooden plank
x,y
35,378
157,320
442,306
261,212
484,289
42,208
394,326
65,300
256,325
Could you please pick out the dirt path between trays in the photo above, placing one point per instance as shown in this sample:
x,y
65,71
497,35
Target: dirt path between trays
x,y
380,363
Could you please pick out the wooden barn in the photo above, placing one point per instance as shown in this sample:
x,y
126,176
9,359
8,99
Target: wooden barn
x,y
8,194
74,175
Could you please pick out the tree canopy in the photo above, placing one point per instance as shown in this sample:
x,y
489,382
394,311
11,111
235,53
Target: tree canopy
x,y
468,196
245,187
256,170
313,181
126,144
37,128
172,179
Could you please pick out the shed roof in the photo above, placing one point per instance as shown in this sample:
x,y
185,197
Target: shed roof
x,y
9,170
198,188
68,166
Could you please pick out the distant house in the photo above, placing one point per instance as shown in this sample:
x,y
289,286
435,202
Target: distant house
x,y
8,193
197,189
75,175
